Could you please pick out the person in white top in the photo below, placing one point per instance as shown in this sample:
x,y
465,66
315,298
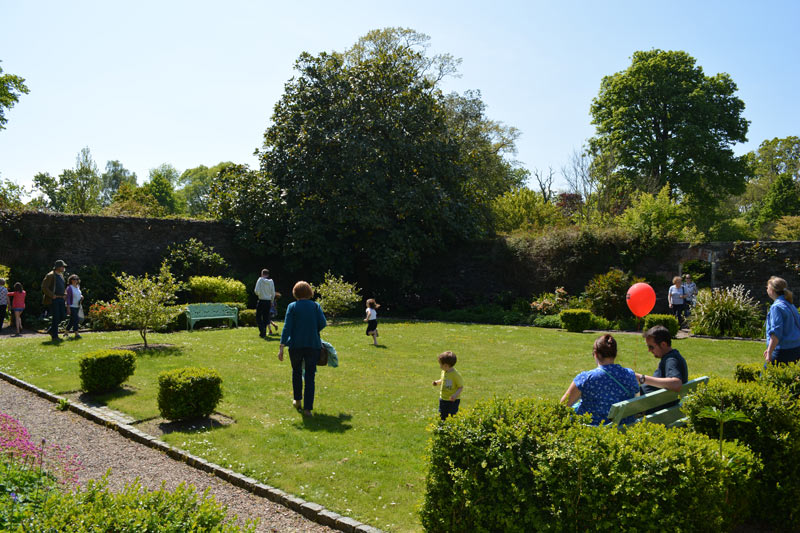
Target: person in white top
x,y
691,292
372,320
265,290
74,299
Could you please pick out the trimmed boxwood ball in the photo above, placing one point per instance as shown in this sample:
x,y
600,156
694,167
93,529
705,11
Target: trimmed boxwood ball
x,y
247,317
576,320
105,370
668,321
190,392
533,465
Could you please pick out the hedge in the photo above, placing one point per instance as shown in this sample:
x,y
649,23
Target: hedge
x,y
576,320
782,376
191,392
773,434
668,321
105,370
216,289
532,465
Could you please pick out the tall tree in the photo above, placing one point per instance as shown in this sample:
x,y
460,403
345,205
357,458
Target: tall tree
x,y
162,187
11,87
195,186
773,158
360,148
76,190
113,178
666,122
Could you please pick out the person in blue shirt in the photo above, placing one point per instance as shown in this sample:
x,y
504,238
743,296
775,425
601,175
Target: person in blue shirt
x,y
605,385
302,324
783,324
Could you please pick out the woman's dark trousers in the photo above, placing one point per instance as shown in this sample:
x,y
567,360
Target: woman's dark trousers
x,y
300,358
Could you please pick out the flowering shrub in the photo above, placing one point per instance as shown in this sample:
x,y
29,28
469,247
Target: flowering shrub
x,y
16,445
551,303
726,312
100,316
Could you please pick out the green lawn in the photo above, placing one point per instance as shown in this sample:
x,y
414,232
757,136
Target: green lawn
x,y
362,454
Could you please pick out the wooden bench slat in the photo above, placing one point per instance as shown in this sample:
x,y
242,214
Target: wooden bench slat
x,y
669,417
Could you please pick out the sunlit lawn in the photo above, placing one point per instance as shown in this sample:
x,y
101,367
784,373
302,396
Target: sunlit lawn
x,y
362,454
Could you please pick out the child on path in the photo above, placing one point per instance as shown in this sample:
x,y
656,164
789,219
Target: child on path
x,y
450,385
273,313
17,297
372,320
3,302
74,299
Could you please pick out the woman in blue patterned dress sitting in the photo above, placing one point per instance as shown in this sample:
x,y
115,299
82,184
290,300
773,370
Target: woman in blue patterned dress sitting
x,y
600,388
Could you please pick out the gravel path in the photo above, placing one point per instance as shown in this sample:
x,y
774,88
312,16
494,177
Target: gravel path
x,y
100,449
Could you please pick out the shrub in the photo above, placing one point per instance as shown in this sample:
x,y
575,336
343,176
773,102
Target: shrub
x,y
547,321
532,465
336,296
785,377
576,320
726,312
602,324
178,321
773,434
668,321
551,303
698,269
101,316
247,317
96,508
606,294
185,393
208,289
105,370
193,258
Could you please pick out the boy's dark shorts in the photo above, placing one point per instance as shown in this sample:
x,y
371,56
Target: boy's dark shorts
x,y
448,407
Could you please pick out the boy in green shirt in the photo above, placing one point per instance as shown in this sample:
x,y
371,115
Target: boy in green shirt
x,y
451,384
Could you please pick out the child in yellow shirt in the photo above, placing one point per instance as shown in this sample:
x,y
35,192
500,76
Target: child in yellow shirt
x,y
451,384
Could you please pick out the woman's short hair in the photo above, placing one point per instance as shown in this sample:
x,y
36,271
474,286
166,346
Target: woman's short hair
x,y
780,287
606,346
676,279
302,290
72,277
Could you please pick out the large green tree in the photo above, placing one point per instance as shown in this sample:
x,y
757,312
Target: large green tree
x,y
773,158
195,186
162,187
113,178
11,87
75,190
663,121
371,174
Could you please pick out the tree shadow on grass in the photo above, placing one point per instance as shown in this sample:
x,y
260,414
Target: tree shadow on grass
x,y
323,422
153,350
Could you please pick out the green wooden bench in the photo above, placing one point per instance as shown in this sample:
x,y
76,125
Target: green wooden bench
x,y
198,312
670,416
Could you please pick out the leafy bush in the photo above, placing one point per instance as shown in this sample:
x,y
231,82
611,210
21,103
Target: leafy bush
x,y
247,317
773,434
98,282
787,228
668,321
726,312
105,370
178,322
547,321
785,377
96,508
101,316
602,324
5,272
185,393
532,465
606,294
698,269
336,296
551,303
480,314
656,218
208,289
193,258
576,320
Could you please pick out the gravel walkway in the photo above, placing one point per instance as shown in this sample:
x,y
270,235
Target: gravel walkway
x,y
100,449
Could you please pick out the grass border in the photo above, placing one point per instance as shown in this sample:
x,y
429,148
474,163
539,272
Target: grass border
x,y
310,510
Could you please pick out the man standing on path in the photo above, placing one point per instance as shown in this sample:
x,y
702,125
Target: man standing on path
x,y
265,290
55,289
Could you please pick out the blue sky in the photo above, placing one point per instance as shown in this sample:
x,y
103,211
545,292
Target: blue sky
x,y
191,83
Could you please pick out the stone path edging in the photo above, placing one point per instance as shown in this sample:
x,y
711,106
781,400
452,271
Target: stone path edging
x,y
310,510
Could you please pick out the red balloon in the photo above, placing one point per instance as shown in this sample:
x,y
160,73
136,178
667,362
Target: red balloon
x,y
641,299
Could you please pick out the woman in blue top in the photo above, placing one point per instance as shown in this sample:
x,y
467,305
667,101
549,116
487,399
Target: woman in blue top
x,y
602,387
304,320
783,324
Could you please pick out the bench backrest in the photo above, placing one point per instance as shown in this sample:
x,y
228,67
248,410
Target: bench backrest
x,y
210,310
654,400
